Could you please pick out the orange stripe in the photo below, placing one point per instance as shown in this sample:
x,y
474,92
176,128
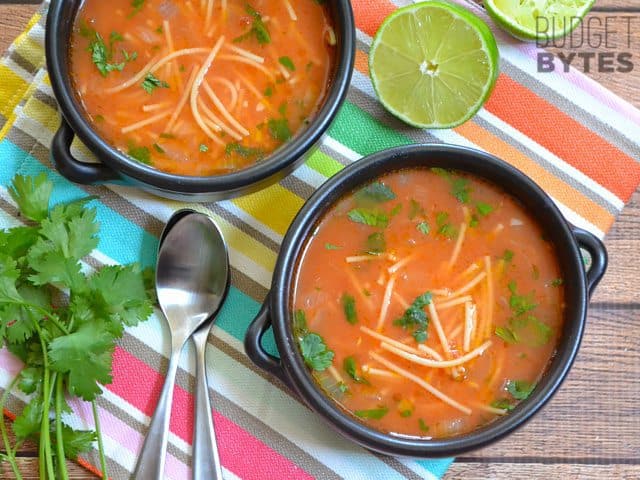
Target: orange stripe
x,y
561,134
362,62
561,190
568,195
370,14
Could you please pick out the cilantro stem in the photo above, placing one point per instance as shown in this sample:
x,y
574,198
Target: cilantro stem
x,y
96,422
3,429
45,460
62,464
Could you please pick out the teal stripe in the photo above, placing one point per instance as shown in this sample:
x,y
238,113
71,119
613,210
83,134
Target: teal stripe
x,y
120,239
362,133
123,240
437,467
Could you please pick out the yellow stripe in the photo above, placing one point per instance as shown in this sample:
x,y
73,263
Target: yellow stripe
x,y
12,89
31,50
240,241
274,207
41,113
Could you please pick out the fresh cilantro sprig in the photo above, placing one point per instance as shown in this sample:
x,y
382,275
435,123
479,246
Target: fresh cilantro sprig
x,y
317,356
102,55
61,322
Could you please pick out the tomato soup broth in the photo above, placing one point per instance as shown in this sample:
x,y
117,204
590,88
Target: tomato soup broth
x,y
201,87
428,303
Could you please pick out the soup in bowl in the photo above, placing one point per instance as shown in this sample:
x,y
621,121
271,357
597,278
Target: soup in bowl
x,y
427,300
201,98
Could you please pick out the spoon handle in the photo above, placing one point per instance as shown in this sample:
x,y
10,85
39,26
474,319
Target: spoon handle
x,y
150,464
206,462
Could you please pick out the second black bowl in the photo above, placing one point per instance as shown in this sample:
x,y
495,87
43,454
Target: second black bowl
x,y
277,312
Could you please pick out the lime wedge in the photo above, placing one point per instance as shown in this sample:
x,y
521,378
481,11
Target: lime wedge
x,y
538,19
433,64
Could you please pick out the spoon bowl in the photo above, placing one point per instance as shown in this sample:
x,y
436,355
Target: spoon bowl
x,y
192,279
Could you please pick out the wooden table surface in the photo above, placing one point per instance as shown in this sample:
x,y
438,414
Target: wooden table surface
x,y
591,428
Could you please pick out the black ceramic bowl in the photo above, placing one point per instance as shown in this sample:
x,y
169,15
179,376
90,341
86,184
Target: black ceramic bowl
x,y
277,309
116,166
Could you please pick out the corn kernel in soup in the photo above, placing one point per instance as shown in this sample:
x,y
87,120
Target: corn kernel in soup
x,y
202,87
428,303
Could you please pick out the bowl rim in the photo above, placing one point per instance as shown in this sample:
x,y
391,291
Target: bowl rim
x,y
57,58
295,240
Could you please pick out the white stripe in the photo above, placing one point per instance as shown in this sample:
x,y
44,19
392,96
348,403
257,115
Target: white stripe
x,y
417,468
340,149
573,172
578,220
17,69
232,208
309,176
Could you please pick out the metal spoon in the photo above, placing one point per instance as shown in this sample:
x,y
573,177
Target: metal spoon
x,y
192,277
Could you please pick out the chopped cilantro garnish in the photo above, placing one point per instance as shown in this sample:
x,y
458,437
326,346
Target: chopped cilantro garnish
x,y
423,426
315,352
376,243
141,154
459,185
520,303
151,82
158,148
415,209
484,209
520,389
556,282
423,227
245,152
373,414
331,246
376,192
502,404
102,56
287,63
258,28
351,368
349,308
203,148
279,129
507,256
445,228
268,92
373,218
415,318
137,6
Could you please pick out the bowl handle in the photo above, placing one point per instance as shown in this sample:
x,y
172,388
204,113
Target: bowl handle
x,y
72,169
255,350
599,257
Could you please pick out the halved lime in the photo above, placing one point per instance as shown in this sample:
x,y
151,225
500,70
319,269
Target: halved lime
x,y
433,64
539,20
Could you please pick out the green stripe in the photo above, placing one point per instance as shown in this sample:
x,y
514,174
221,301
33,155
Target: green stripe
x,y
324,164
363,133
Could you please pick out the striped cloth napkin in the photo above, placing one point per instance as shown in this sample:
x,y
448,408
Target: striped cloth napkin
x,y
575,138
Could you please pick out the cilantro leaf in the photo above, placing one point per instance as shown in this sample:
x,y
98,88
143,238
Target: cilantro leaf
x,y
350,366
459,186
503,404
484,209
287,63
300,324
244,152
423,227
315,352
507,334
9,274
32,195
416,318
349,308
151,82
376,244
520,389
331,246
520,303
373,218
121,294
141,154
30,379
258,28
17,241
86,358
423,425
373,414
76,441
507,256
376,192
445,228
279,129
28,422
52,266
415,209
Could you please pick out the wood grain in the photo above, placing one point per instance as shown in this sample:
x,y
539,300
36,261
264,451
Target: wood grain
x,y
589,430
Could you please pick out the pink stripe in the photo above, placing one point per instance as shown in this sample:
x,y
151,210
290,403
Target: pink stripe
x,y
10,363
125,436
240,452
